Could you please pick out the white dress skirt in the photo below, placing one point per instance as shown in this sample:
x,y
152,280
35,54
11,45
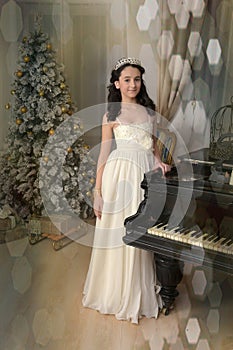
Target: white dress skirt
x,y
121,279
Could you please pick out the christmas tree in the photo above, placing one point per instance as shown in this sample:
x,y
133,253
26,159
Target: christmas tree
x,y
41,105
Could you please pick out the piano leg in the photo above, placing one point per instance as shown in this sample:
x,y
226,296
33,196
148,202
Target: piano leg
x,y
169,273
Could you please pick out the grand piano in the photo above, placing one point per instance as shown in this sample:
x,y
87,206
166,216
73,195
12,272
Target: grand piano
x,y
185,216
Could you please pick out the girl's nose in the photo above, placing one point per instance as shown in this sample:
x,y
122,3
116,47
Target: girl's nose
x,y
132,83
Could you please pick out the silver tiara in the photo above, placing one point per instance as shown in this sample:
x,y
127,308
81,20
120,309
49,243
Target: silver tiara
x,y
129,60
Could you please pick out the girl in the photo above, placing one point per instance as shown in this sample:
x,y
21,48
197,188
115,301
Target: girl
x,y
121,279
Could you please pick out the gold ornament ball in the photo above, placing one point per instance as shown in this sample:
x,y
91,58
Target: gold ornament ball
x,y
84,174
12,92
76,126
41,92
62,85
46,159
86,147
69,149
92,180
25,39
89,193
18,121
26,58
51,132
63,109
19,73
8,106
45,69
70,112
24,109
49,46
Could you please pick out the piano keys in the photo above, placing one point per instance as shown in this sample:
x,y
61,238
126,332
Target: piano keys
x,y
183,217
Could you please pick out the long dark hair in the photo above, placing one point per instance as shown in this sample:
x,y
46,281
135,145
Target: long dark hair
x,y
114,94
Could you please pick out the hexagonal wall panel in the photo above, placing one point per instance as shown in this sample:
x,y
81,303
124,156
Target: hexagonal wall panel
x,y
203,345
194,44
182,19
11,22
17,247
21,275
199,282
192,331
41,327
175,67
143,18
174,6
213,320
213,51
215,295
165,44
152,8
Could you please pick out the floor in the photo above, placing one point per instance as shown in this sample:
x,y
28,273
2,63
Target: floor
x,y
40,308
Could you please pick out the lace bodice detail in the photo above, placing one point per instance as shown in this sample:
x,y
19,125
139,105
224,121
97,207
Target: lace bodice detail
x,y
140,134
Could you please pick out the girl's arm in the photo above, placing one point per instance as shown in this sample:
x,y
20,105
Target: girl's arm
x,y
105,149
158,163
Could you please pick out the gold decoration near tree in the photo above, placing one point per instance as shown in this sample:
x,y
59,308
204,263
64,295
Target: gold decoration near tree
x,y
49,46
24,109
62,86
45,69
46,159
26,58
19,73
8,106
41,92
18,121
63,109
12,92
30,133
24,39
51,132
69,150
92,180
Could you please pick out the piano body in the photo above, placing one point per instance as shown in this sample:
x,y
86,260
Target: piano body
x,y
185,216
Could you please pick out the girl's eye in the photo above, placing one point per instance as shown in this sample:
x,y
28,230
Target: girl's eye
x,y
138,79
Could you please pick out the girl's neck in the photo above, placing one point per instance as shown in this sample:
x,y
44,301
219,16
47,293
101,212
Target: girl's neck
x,y
134,101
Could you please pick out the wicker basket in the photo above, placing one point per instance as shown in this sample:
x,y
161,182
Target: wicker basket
x,y
222,148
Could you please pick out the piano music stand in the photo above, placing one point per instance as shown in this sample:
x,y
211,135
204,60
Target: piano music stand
x,y
166,142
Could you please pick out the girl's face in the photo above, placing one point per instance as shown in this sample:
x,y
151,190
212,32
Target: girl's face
x,y
129,83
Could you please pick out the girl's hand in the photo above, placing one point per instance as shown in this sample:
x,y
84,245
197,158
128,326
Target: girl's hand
x,y
163,166
98,205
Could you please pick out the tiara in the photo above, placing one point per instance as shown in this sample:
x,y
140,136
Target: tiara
x,y
129,60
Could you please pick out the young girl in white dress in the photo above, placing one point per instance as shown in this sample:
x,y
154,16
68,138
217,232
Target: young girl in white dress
x,y
121,279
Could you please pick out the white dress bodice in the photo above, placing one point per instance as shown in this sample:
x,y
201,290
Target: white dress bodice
x,y
134,134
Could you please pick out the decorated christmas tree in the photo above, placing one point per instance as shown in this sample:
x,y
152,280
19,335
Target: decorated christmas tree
x,y
41,106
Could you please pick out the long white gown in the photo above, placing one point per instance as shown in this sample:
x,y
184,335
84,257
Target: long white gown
x,y
121,279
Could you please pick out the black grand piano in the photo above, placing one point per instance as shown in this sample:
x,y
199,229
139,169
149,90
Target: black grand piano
x,y
185,216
